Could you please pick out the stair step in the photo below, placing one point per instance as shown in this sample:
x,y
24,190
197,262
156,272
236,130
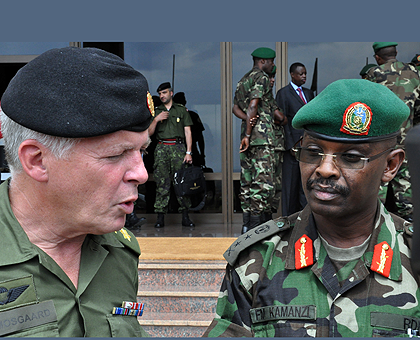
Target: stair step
x,y
178,304
176,319
175,331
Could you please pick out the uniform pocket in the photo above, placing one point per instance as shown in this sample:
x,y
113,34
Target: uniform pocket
x,y
123,326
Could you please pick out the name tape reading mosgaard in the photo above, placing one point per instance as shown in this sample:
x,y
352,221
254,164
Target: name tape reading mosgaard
x,y
21,318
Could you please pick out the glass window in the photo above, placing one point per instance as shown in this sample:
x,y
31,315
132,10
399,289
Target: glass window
x,y
340,60
196,73
29,48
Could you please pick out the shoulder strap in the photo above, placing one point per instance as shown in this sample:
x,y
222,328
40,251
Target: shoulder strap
x,y
253,236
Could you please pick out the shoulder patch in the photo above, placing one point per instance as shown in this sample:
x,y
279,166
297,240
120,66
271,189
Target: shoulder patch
x,y
127,238
253,236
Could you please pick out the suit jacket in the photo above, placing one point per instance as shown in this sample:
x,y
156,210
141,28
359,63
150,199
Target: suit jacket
x,y
289,101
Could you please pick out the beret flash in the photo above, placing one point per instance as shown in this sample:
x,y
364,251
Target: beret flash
x,y
354,111
78,92
264,53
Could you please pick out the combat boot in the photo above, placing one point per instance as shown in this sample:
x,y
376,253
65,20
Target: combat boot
x,y
133,222
255,221
186,222
245,224
160,221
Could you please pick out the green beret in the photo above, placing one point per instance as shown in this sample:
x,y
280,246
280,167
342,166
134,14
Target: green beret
x,y
78,92
354,111
366,68
378,45
273,72
264,53
416,59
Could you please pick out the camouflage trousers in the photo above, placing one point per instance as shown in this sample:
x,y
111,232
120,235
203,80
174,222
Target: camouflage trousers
x,y
257,179
401,202
278,160
168,160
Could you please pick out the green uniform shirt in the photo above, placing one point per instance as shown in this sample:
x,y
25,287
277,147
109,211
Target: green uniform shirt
x,y
256,85
37,299
172,127
266,293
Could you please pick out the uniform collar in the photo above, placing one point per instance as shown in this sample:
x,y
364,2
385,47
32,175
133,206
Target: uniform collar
x,y
385,230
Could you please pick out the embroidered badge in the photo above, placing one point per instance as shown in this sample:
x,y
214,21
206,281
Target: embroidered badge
x,y
150,104
382,259
357,119
303,252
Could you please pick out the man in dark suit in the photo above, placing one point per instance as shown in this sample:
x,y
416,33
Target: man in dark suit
x,y
290,99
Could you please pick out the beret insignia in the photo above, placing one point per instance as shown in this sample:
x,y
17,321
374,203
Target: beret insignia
x,y
418,57
357,119
150,104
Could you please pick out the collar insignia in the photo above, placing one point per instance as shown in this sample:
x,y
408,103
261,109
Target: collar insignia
x,y
382,259
303,252
357,119
150,104
125,234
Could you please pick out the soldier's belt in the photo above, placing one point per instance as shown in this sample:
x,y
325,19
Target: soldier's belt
x,y
172,141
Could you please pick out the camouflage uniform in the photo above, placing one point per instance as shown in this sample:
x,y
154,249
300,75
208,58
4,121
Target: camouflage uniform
x,y
257,163
169,158
264,294
404,80
278,158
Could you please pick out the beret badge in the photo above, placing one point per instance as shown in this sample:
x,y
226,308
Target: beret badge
x,y
357,119
150,104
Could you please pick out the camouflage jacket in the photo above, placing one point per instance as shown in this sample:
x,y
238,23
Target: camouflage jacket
x,y
255,84
278,129
269,290
404,80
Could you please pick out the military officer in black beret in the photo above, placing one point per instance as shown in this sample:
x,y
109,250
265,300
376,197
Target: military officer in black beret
x,y
74,122
172,128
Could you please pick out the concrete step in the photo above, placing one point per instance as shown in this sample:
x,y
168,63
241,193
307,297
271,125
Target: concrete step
x,y
179,296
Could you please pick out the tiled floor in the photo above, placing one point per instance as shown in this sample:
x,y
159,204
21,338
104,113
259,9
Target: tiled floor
x,y
176,230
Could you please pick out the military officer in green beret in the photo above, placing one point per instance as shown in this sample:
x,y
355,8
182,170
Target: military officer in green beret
x,y
416,61
404,80
364,70
341,266
74,122
254,98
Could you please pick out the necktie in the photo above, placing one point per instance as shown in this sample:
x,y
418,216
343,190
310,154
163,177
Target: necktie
x,y
301,95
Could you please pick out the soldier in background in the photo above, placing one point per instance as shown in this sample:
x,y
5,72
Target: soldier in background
x,y
279,150
340,267
404,80
416,61
252,97
172,125
363,71
198,145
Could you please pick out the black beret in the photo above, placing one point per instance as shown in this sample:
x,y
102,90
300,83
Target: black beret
x,y
78,92
164,86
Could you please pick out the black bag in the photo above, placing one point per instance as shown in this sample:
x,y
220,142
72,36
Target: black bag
x,y
189,181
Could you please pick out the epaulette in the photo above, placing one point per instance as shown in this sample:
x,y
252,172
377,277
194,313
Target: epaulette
x,y
127,238
253,236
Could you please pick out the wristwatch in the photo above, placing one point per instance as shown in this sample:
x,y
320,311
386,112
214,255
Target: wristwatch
x,y
189,153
